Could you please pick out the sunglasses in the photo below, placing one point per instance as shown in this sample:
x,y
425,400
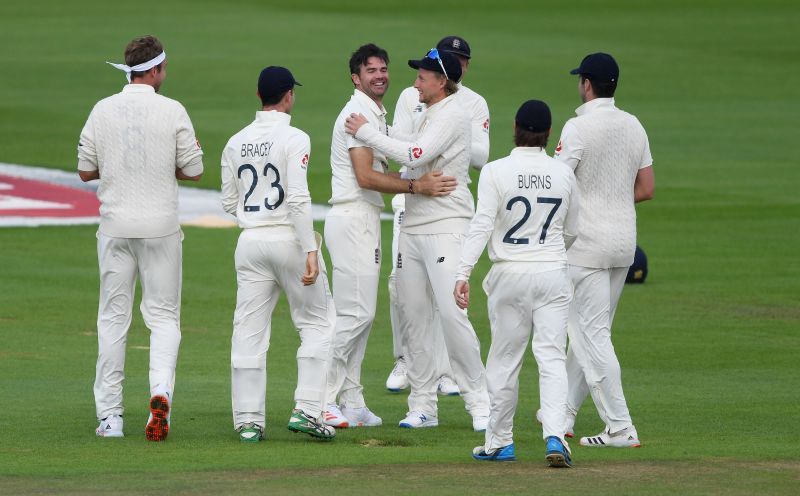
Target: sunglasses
x,y
434,55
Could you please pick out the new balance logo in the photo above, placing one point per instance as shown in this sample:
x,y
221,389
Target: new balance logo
x,y
377,255
399,261
440,260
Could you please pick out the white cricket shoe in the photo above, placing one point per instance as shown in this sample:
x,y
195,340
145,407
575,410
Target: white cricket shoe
x,y
361,417
626,438
447,386
110,426
415,420
333,417
570,430
480,423
397,380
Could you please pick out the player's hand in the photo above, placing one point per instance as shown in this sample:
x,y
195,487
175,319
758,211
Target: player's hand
x,y
462,294
353,123
435,184
312,269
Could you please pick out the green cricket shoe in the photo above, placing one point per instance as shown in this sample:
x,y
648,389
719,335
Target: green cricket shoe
x,y
302,422
251,433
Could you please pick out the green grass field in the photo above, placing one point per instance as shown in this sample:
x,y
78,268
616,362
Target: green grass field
x,y
709,345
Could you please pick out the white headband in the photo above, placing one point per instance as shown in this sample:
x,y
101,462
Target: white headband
x,y
145,66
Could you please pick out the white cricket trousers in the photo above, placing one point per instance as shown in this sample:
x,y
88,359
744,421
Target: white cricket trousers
x,y
527,298
268,260
157,264
426,274
398,341
592,364
353,237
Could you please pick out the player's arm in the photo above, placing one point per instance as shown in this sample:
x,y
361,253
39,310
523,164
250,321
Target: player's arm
x,y
188,154
87,153
645,184
230,191
480,229
644,187
570,146
431,184
298,200
571,220
479,151
434,140
181,176
87,176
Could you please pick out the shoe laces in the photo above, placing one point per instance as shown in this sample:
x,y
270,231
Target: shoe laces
x,y
399,367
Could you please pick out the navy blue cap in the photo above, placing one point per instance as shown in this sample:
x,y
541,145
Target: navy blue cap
x,y
456,45
598,67
275,80
637,272
534,116
452,67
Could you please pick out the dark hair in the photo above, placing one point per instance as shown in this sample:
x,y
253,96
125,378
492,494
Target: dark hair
x,y
364,52
140,50
523,137
601,89
274,99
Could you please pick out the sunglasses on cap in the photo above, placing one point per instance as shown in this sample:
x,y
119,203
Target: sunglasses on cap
x,y
434,55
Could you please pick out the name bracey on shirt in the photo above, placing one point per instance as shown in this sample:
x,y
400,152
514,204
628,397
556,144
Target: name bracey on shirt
x,y
256,149
533,181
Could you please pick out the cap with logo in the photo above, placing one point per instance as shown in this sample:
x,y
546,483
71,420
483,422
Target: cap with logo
x,y
637,272
441,62
534,116
598,67
456,45
275,80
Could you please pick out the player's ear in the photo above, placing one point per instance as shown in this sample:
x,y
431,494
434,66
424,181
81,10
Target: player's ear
x,y
355,79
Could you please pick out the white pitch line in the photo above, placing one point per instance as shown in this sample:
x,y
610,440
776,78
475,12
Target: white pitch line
x,y
195,206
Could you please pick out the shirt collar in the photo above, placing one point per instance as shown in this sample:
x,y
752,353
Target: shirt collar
x,y
596,104
528,151
138,88
272,117
369,102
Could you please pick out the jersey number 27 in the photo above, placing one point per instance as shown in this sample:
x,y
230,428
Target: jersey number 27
x,y
508,238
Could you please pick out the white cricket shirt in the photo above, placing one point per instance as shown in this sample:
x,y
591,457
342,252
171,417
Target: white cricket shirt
x,y
344,185
527,206
441,143
410,110
136,140
606,147
264,176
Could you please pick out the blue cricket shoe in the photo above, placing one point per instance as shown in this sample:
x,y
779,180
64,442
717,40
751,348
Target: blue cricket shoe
x,y
558,454
504,454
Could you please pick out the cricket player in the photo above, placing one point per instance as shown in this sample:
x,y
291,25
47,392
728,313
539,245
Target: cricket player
x,y
430,243
137,143
609,151
353,233
528,212
264,185
408,111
